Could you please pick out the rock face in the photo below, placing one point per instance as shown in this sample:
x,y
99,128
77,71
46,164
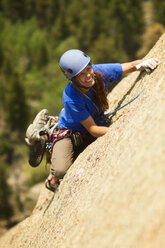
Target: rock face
x,y
113,195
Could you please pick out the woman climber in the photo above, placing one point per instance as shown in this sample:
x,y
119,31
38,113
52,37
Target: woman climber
x,y
84,100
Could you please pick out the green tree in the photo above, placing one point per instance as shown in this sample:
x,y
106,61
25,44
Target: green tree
x,y
41,9
30,8
104,50
41,57
48,11
119,20
1,56
159,11
59,31
6,69
126,19
2,23
16,108
14,10
6,152
85,20
6,149
6,210
52,11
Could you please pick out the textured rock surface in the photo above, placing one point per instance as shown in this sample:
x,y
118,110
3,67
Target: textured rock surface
x,y
113,195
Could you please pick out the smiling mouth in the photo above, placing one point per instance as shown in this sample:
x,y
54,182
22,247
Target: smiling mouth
x,y
90,80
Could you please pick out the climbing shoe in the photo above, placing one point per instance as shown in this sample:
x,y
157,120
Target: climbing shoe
x,y
37,152
51,187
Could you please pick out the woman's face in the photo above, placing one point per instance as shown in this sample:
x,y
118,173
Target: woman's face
x,y
86,77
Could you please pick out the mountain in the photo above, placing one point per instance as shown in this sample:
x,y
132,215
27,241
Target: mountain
x,y
113,195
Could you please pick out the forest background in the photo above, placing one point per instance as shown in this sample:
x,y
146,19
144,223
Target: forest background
x,y
33,36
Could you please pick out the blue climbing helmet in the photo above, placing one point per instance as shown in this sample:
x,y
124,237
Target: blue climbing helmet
x,y
73,62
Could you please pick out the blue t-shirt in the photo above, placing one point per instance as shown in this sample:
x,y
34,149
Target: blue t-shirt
x,y
78,107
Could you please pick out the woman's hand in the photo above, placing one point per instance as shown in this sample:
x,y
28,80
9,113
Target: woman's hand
x,y
148,65
92,128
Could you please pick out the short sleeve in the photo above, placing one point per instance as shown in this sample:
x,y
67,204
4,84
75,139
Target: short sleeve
x,y
110,72
75,112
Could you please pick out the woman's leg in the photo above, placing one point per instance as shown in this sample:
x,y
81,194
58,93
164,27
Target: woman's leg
x,y
62,157
65,151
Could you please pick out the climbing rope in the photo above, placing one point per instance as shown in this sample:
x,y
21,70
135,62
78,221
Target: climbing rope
x,y
51,200
125,104
108,118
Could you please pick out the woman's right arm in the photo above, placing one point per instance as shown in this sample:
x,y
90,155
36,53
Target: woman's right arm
x,y
92,128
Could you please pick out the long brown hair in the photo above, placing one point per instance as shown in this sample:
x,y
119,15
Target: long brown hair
x,y
99,92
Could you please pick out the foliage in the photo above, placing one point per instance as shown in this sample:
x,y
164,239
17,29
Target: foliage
x,y
24,40
159,11
6,151
128,22
85,20
13,9
6,210
65,45
105,47
119,20
15,104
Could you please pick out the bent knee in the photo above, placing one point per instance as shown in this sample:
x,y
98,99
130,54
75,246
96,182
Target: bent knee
x,y
59,168
62,157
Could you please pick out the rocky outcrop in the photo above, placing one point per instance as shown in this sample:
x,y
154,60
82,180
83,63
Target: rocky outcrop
x,y
113,195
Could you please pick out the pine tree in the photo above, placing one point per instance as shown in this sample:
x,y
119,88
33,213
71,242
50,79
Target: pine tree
x,y
14,10
41,56
6,210
104,50
1,56
41,8
16,107
159,11
30,8
59,31
126,21
52,11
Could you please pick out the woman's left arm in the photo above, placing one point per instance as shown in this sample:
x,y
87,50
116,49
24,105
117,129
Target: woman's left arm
x,y
93,129
140,65
130,66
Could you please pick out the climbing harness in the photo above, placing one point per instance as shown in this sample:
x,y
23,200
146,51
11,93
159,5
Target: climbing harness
x,y
58,134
